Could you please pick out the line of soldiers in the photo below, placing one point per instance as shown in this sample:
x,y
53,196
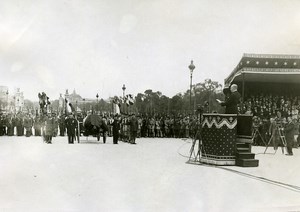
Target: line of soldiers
x,y
19,124
121,127
171,127
47,126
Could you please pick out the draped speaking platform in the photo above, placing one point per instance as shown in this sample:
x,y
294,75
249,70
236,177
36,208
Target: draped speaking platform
x,y
219,132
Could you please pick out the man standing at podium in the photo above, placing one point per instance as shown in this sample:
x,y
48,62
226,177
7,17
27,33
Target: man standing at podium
x,y
231,103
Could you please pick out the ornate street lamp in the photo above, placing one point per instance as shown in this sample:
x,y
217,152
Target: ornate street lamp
x,y
83,105
97,96
76,107
191,67
123,88
18,105
7,100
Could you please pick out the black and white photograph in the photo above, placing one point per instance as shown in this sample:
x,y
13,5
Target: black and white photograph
x,y
149,106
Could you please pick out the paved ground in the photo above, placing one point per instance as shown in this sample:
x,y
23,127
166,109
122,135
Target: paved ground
x,y
150,176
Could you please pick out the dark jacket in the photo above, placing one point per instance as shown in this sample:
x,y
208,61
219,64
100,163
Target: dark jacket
x,y
133,124
289,131
116,126
232,103
71,125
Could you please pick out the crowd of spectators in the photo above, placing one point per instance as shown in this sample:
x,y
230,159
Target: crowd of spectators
x,y
266,109
266,106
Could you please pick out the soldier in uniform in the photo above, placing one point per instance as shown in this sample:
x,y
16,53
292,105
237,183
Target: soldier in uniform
x,y
28,125
71,125
10,124
62,125
37,126
133,122
19,125
49,124
104,128
2,132
55,126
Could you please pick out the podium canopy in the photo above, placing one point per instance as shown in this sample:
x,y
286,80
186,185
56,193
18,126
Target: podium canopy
x,y
266,68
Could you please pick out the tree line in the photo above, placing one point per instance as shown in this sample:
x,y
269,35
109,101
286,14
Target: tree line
x,y
203,94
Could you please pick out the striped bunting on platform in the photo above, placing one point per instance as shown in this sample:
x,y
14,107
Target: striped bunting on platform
x,y
219,122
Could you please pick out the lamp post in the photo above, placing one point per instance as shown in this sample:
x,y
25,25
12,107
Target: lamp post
x,y
83,105
18,105
123,88
97,96
76,108
191,67
7,101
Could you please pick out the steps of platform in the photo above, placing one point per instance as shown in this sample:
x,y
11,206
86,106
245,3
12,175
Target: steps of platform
x,y
245,155
247,162
243,149
243,145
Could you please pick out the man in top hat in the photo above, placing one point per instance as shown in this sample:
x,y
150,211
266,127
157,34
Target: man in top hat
x,y
231,103
226,91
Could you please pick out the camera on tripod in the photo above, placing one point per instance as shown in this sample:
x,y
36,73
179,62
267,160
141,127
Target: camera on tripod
x,y
256,122
202,108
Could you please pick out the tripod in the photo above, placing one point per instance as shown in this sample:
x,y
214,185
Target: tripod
x,y
192,150
255,134
278,131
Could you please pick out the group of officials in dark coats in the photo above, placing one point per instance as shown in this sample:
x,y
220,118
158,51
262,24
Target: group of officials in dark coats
x,y
133,126
48,124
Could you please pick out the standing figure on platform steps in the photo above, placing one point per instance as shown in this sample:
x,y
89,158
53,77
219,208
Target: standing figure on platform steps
x,y
289,135
231,103
71,125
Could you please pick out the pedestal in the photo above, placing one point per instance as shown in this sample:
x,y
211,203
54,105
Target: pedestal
x,y
219,132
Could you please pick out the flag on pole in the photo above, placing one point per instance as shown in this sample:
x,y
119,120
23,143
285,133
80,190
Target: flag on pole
x,y
69,107
117,104
130,99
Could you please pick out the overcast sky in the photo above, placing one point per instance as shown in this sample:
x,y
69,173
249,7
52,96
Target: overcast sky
x,y
96,46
